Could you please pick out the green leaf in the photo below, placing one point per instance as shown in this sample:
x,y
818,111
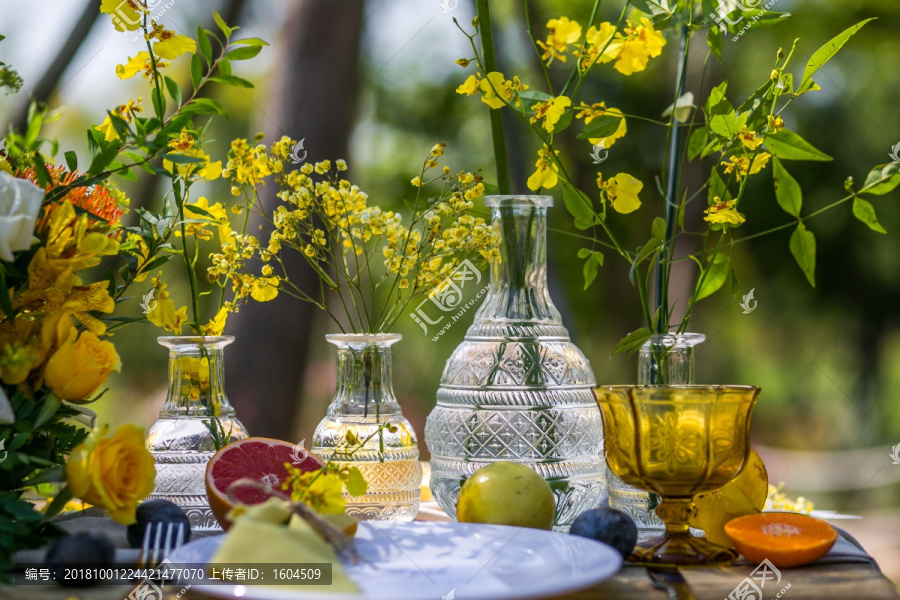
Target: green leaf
x,y
652,7
827,52
787,145
244,53
43,175
787,190
724,125
760,19
172,87
576,203
71,160
34,128
249,42
49,408
182,158
643,253
882,179
716,274
58,503
237,81
584,252
356,483
714,39
865,212
590,272
531,97
658,228
55,475
717,188
632,342
196,70
717,103
205,105
803,247
159,103
601,127
697,142
564,121
205,47
226,30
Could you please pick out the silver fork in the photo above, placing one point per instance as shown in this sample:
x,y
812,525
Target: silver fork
x,y
157,544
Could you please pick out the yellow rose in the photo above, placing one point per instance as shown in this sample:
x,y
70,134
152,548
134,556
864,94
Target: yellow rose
x,y
113,473
80,366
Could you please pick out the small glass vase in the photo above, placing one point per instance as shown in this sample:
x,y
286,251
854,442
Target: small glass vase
x,y
517,389
181,441
665,359
364,428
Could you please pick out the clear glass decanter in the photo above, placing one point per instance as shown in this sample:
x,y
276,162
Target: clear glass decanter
x,y
665,359
517,389
181,441
364,428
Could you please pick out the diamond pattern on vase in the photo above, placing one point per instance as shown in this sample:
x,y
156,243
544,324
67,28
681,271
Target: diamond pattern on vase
x,y
516,434
515,364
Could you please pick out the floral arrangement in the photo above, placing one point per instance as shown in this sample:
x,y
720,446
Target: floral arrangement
x,y
732,143
373,262
59,222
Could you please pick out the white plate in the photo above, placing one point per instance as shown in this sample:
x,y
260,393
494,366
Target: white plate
x,y
432,561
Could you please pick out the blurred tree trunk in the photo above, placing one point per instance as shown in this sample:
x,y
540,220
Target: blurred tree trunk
x,y
313,94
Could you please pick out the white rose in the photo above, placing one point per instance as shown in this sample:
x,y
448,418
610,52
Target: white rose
x,y
20,201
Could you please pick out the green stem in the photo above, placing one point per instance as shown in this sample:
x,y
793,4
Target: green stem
x,y
671,187
490,65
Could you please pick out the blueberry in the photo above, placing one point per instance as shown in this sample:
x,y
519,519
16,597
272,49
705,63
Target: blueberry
x,y
79,549
157,511
609,526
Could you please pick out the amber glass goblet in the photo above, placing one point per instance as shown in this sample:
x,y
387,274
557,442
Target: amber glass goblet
x,y
677,441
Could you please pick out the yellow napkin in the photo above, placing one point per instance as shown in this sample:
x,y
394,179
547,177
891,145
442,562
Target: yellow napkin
x,y
260,535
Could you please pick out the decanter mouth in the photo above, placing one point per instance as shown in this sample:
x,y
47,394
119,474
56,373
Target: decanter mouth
x,y
518,200
187,342
358,341
676,340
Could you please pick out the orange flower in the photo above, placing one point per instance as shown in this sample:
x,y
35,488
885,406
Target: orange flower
x,y
97,200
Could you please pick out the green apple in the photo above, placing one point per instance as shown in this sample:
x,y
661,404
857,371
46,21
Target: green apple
x,y
506,493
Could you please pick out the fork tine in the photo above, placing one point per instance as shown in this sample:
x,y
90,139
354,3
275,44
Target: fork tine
x,y
180,539
145,548
157,543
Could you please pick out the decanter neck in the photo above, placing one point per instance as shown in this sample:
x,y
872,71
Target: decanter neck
x,y
668,359
518,289
196,377
364,375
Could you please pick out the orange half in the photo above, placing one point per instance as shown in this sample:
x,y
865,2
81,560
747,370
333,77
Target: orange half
x,y
786,539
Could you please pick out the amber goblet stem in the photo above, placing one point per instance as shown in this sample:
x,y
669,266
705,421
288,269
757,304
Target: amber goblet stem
x,y
677,546
676,513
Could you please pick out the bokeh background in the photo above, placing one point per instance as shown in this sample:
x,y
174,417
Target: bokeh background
x,y
373,81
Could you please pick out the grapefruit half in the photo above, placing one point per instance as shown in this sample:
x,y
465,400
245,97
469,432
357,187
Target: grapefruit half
x,y
256,458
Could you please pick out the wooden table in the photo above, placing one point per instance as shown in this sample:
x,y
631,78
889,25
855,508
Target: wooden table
x,y
850,581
